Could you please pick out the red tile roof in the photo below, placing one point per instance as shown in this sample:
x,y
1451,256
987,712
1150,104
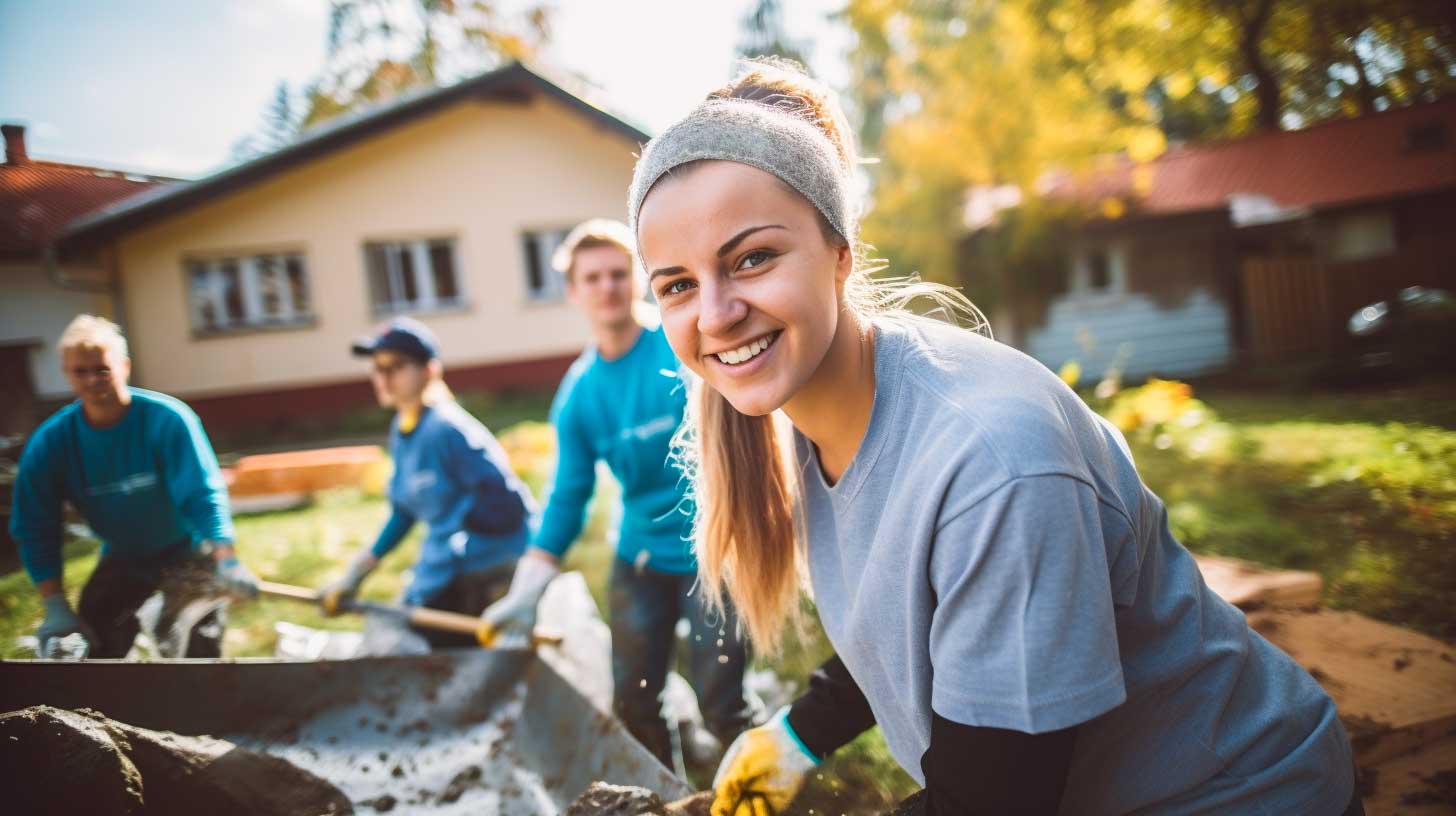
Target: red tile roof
x,y
1330,164
38,198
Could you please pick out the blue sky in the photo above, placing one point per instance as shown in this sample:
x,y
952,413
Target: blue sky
x,y
166,86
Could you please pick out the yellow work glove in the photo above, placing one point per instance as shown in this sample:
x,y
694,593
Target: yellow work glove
x,y
762,771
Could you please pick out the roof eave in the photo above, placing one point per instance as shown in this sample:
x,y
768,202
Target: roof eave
x,y
164,201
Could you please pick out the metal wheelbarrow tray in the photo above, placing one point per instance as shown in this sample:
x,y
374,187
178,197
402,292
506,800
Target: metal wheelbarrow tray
x,y
457,731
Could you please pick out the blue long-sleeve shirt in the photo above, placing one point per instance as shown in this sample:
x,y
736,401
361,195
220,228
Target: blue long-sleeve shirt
x,y
142,485
623,412
452,474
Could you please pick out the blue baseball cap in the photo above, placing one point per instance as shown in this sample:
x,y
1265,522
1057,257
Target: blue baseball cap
x,y
404,336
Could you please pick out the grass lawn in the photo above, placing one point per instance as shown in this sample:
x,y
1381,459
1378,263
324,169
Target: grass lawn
x,y
1361,488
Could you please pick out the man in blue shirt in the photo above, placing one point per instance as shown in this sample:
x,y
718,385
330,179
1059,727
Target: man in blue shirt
x,y
621,403
139,468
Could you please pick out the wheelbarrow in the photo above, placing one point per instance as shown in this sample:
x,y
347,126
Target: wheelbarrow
x,y
479,731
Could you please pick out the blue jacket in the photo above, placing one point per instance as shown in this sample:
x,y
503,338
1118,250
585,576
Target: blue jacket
x,y
623,412
452,474
142,485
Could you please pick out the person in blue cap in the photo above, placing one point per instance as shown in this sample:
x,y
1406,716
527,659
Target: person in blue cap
x,y
620,403
139,468
451,474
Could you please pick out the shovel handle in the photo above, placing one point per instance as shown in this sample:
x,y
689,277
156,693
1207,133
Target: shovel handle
x,y
420,616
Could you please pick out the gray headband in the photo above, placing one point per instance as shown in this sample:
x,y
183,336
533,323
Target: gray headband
x,y
791,148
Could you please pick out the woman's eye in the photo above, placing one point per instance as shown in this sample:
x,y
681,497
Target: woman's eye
x,y
755,258
674,288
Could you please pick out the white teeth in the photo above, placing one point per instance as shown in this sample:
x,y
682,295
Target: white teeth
x,y
745,353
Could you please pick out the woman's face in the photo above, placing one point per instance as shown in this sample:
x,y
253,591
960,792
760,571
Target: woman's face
x,y
747,283
397,378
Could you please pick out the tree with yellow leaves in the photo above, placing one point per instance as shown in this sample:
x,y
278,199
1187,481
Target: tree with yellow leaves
x,y
960,95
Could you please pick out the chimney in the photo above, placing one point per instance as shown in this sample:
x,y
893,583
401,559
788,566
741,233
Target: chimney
x,y
14,144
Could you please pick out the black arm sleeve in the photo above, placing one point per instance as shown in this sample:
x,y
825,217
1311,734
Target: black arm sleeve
x,y
974,770
832,712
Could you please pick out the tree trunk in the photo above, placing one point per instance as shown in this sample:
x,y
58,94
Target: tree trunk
x,y
1251,34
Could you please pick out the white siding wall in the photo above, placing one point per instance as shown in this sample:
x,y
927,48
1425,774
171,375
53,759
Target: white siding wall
x,y
31,307
1130,329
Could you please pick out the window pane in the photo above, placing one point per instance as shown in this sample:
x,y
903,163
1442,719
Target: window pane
x,y
407,272
442,268
379,291
298,283
535,279
232,292
204,307
270,287
1099,274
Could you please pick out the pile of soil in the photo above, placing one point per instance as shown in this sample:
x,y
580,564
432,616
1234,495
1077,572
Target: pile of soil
x,y
83,762
602,799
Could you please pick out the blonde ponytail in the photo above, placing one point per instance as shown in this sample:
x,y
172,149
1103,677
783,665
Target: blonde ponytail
x,y
744,483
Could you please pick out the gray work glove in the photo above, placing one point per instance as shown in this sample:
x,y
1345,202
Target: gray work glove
x,y
236,578
507,623
336,596
59,622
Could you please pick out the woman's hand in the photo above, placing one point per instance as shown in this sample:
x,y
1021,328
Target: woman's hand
x,y
762,771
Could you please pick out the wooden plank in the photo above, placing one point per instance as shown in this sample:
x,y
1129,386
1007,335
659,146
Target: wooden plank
x,y
1248,585
1395,688
306,471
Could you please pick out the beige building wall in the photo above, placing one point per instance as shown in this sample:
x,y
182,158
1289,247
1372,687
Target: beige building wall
x,y
479,172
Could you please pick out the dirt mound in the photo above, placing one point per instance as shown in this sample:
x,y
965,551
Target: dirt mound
x,y
82,762
602,799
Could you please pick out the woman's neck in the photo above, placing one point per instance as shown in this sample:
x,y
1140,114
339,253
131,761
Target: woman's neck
x,y
409,414
833,408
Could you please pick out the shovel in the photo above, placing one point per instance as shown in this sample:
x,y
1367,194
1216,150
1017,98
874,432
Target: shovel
x,y
420,616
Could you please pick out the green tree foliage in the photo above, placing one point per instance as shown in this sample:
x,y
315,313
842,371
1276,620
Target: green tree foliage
x,y
378,49
278,128
762,34
959,94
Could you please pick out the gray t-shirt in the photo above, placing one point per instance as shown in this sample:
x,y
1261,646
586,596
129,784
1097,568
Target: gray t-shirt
x,y
991,554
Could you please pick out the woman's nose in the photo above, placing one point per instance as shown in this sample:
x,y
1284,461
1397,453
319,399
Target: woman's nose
x,y
719,308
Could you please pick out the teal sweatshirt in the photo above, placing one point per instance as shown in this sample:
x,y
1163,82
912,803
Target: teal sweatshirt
x,y
622,412
142,485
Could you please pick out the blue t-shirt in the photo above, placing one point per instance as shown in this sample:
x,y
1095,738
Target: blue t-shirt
x,y
991,555
623,412
452,474
142,485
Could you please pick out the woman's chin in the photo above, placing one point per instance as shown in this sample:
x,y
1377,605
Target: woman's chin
x,y
752,401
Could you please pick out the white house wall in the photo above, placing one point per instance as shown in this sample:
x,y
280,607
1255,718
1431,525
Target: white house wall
x,y
1133,331
33,308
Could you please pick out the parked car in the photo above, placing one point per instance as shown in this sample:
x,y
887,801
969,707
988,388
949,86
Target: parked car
x,y
1411,334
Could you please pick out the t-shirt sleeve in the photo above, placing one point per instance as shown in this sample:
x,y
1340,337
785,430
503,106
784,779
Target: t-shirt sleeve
x,y
1022,636
35,522
575,479
193,479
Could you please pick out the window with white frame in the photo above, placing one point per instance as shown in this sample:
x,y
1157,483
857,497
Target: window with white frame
x,y
1099,270
542,281
248,292
413,276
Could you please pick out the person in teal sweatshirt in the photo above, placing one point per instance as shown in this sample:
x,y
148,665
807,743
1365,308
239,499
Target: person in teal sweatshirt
x,y
451,473
620,403
139,468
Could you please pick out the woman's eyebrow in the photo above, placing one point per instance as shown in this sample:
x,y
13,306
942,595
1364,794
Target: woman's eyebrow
x,y
722,250
735,240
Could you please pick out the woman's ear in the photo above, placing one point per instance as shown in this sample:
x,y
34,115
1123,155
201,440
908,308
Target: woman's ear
x,y
843,262
435,368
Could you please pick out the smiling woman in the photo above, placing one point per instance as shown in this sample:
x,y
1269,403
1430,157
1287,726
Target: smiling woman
x,y
995,579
